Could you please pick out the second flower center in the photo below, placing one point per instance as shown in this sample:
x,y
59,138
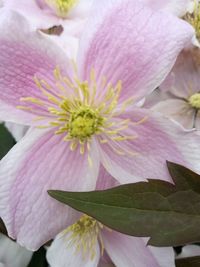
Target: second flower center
x,y
194,101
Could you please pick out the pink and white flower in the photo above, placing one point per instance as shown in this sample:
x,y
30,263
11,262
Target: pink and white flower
x,y
85,114
87,241
180,92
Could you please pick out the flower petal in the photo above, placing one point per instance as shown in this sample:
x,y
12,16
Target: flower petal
x,y
131,251
22,57
35,13
178,110
183,80
177,7
18,131
155,140
12,254
39,162
128,41
189,251
63,253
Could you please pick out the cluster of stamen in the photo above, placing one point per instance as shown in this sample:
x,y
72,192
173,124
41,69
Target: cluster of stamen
x,y
194,18
78,111
61,7
84,235
194,100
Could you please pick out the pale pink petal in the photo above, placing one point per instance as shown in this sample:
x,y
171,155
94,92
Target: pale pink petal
x,y
177,7
189,251
18,131
156,139
131,251
37,14
12,254
23,56
127,41
156,96
183,80
39,162
62,253
105,180
178,110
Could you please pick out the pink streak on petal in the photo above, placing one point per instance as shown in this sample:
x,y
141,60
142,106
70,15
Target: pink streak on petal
x,y
128,41
158,139
131,251
105,180
39,162
24,55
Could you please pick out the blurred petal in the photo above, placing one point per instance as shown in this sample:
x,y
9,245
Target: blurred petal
x,y
12,254
178,110
189,251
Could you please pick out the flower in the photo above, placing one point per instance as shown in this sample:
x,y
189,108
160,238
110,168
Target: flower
x,y
45,14
85,115
182,92
87,241
11,254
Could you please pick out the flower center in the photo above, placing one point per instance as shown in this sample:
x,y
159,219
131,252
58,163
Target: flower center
x,y
80,110
61,7
84,234
194,101
194,18
84,122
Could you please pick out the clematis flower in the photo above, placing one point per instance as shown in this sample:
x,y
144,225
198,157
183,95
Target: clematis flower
x,y
85,114
85,242
11,254
46,14
180,93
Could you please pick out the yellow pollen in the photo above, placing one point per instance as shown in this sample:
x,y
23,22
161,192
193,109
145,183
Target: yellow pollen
x,y
83,123
61,7
84,235
194,18
78,111
194,101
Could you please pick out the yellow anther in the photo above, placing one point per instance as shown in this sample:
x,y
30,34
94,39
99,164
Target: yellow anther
x,y
61,7
194,100
84,234
194,18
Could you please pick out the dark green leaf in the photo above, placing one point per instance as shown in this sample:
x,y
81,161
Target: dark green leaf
x,y
2,228
39,259
6,141
168,214
188,262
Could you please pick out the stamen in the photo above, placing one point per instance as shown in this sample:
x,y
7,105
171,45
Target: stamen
x,y
84,234
85,113
61,7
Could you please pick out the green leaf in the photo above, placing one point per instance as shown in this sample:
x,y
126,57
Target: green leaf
x,y
39,259
168,214
6,141
188,262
